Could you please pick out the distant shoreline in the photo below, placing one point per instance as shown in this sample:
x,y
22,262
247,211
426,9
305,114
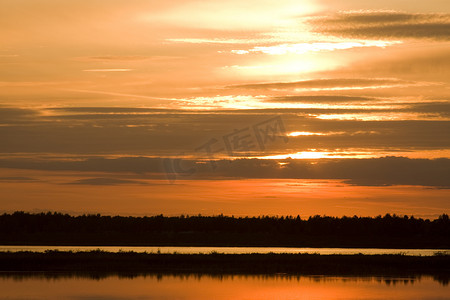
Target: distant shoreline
x,y
305,264
225,250
222,245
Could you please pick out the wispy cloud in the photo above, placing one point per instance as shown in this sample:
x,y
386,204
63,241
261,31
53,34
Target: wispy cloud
x,y
108,70
384,116
32,83
116,94
319,99
331,84
18,179
117,57
105,181
213,40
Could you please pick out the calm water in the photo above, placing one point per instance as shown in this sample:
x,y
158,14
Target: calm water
x,y
230,250
45,286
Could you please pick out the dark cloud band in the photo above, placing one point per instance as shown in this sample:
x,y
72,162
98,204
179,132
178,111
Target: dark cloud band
x,y
380,25
363,172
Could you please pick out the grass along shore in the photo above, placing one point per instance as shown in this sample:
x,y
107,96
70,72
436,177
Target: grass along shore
x,y
214,263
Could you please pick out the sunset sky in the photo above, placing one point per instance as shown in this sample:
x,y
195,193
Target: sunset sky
x,y
236,107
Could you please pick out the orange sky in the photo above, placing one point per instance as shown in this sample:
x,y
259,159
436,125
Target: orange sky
x,y
119,101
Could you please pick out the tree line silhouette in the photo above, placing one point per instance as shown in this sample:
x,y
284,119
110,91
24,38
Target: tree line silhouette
x,y
389,231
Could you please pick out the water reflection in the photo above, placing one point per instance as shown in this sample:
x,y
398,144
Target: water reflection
x,y
45,285
388,280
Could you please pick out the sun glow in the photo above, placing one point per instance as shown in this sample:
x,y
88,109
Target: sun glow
x,y
234,14
320,155
303,133
284,65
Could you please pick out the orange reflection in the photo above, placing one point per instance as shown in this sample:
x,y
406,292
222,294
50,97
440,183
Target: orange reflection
x,y
225,287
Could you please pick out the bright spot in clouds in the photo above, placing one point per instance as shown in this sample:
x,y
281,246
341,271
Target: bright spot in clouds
x,y
299,133
314,47
320,154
